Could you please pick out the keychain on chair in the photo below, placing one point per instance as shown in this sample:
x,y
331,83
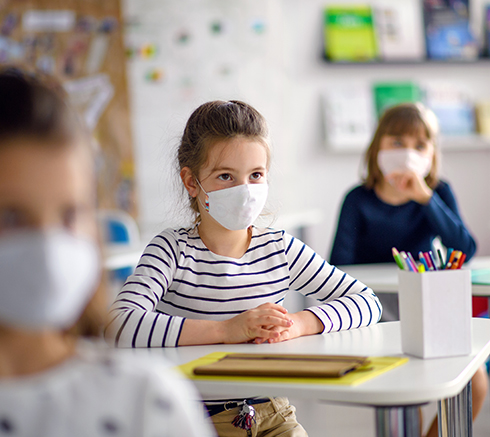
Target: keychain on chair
x,y
245,418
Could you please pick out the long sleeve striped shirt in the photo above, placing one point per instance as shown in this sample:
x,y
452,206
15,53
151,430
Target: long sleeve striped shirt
x,y
178,277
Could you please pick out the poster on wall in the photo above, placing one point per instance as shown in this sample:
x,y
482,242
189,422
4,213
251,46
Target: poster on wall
x,y
81,44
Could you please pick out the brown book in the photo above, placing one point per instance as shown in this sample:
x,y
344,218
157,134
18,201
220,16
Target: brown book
x,y
288,365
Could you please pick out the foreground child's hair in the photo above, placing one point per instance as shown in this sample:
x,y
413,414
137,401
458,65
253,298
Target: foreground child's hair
x,y
403,119
34,107
216,121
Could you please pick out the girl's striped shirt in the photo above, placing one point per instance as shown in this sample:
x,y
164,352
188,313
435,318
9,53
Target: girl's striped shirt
x,y
178,277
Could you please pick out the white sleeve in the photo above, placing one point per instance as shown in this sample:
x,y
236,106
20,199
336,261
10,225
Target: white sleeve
x,y
346,303
134,321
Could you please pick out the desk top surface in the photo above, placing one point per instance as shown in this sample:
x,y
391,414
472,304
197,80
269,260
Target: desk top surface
x,y
416,382
384,277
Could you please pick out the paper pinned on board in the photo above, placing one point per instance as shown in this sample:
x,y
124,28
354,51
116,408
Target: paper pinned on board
x,y
48,21
90,95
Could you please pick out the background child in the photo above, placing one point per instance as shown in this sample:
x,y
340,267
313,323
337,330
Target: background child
x,y
224,280
402,203
50,383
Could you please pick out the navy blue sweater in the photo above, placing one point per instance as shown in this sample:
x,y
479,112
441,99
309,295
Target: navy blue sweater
x,y
368,228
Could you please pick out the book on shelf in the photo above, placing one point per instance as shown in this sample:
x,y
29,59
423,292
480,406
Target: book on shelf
x,y
447,30
399,30
486,31
349,33
453,108
387,94
482,115
349,117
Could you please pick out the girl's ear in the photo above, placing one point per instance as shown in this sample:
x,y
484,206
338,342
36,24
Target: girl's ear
x,y
189,182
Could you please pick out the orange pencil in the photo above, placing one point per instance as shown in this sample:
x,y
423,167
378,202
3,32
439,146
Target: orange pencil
x,y
456,259
450,262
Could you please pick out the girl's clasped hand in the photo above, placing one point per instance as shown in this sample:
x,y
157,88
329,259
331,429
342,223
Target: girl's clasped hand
x,y
268,322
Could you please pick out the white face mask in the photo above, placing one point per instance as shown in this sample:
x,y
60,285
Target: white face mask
x,y
46,278
237,207
402,160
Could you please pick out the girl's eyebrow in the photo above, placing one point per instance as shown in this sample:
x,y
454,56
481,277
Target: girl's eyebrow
x,y
229,169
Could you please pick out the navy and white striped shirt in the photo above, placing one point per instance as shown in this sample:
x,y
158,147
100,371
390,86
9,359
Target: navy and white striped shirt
x,y
178,277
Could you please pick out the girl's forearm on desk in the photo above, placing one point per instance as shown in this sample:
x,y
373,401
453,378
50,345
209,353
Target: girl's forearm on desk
x,y
246,326
195,332
308,323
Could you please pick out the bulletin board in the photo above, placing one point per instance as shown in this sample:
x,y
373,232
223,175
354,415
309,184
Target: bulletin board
x,y
81,43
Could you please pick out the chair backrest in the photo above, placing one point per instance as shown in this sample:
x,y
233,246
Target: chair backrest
x,y
118,227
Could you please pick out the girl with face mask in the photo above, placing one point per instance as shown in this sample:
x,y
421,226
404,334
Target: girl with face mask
x,y
402,203
52,384
223,280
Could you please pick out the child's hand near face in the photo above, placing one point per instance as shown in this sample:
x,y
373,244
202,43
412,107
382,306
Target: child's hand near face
x,y
410,184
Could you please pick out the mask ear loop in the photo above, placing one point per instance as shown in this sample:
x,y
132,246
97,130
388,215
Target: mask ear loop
x,y
206,201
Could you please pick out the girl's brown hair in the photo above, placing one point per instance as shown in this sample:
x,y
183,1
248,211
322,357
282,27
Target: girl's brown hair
x,y
34,106
403,119
216,121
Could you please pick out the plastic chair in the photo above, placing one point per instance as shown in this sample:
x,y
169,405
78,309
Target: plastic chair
x,y
119,228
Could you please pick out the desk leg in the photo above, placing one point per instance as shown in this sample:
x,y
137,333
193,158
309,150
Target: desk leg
x,y
456,415
398,421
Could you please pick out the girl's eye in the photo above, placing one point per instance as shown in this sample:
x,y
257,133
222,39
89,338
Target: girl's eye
x,y
421,146
256,176
12,219
398,143
70,218
225,177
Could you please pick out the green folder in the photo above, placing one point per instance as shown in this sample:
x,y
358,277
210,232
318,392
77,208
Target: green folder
x,y
393,93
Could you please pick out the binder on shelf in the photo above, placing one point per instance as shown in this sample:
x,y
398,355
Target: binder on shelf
x,y
349,33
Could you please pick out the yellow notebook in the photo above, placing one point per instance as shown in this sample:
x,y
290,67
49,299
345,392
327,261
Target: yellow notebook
x,y
374,366
285,365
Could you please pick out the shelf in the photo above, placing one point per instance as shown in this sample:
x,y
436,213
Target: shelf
x,y
463,143
453,143
411,62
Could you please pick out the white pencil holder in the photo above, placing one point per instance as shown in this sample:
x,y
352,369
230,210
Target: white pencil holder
x,y
435,313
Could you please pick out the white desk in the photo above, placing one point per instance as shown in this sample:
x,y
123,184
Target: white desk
x,y
117,256
383,278
395,394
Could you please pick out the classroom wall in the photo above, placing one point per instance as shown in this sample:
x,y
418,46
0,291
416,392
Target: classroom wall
x,y
268,52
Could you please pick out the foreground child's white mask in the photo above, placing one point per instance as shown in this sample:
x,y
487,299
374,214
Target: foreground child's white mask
x,y
404,159
237,207
46,278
